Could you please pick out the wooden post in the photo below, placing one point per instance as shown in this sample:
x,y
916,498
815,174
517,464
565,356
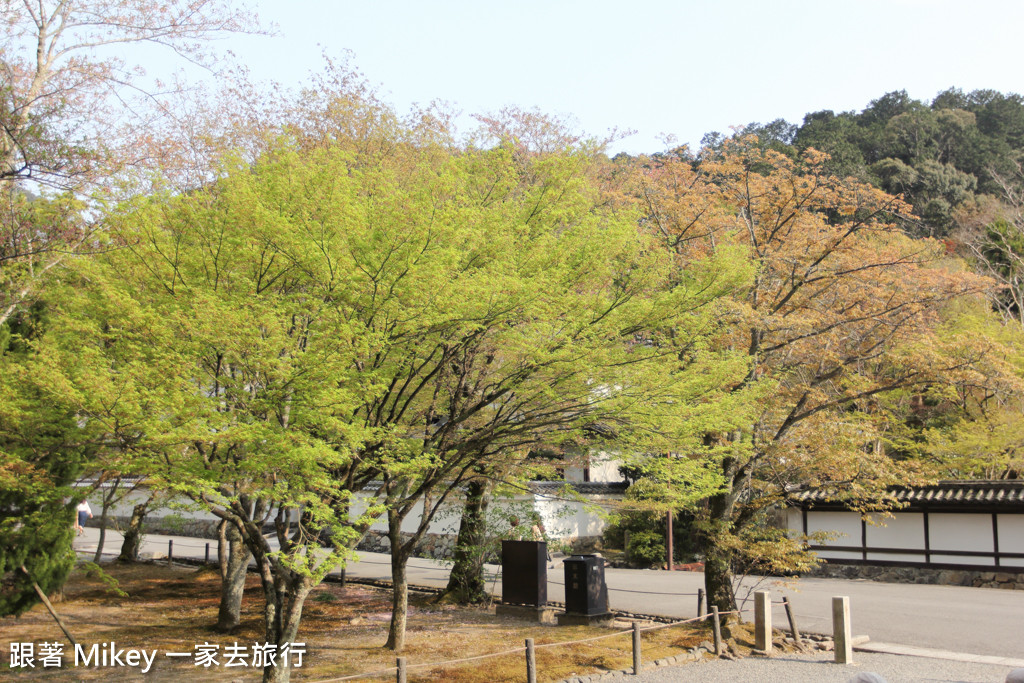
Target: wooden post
x,y
637,661
531,662
668,539
700,602
841,630
206,560
341,576
626,538
763,621
716,626
170,551
792,620
400,670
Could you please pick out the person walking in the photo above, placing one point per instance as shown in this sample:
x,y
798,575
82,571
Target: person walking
x,y
84,513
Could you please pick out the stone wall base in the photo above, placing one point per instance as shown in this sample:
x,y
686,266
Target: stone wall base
x,y
927,575
168,526
433,546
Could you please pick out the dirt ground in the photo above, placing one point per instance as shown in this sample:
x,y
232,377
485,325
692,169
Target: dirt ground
x,y
173,610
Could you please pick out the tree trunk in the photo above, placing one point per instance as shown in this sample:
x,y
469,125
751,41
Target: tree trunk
x,y
222,548
466,583
103,537
718,577
285,593
232,585
711,538
108,500
133,534
399,587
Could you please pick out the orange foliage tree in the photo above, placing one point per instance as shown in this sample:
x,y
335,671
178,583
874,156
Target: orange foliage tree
x,y
844,309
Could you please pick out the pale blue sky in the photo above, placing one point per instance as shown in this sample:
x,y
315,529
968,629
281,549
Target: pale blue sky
x,y
682,68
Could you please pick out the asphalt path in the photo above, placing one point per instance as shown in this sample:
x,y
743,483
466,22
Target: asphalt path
x,y
820,669
979,621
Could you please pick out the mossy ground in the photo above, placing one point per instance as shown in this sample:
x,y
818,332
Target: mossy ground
x,y
171,610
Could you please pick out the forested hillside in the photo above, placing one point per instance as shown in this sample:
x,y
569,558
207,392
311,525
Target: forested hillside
x,y
951,158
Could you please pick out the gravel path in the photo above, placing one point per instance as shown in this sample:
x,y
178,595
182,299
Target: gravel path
x,y
820,669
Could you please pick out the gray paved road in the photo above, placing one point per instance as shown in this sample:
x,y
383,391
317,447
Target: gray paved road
x,y
818,669
982,621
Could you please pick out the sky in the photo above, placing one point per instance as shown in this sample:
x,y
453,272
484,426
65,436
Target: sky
x,y
656,67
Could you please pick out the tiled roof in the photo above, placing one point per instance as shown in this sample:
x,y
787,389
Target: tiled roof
x,y
125,483
581,487
946,494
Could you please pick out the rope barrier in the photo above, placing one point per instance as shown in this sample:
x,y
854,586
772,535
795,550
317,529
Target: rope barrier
x,y
627,590
428,665
467,659
523,649
686,621
363,675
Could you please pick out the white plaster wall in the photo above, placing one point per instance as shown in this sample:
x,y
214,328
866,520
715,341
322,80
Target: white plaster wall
x,y
123,507
846,524
604,466
438,525
563,519
895,557
838,554
573,473
938,558
795,521
902,530
1011,533
905,530
1011,538
951,531
572,519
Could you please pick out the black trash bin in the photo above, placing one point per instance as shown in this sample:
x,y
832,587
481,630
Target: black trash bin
x,y
524,572
585,590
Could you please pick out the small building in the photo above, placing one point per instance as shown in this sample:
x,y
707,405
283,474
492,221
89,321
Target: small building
x,y
962,532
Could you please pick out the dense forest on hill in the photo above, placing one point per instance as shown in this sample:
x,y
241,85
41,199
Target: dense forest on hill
x,y
958,161
953,159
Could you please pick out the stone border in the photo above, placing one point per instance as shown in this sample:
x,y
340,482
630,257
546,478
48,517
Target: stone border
x,y
981,578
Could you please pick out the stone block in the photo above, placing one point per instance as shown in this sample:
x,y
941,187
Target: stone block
x,y
566,619
951,577
542,615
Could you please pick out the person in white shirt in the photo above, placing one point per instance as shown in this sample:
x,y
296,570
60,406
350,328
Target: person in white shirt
x,y
84,513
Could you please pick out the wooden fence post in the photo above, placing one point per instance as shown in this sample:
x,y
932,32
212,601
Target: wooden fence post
x,y
763,621
531,662
792,620
400,670
206,560
841,630
716,626
170,551
637,662
700,602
